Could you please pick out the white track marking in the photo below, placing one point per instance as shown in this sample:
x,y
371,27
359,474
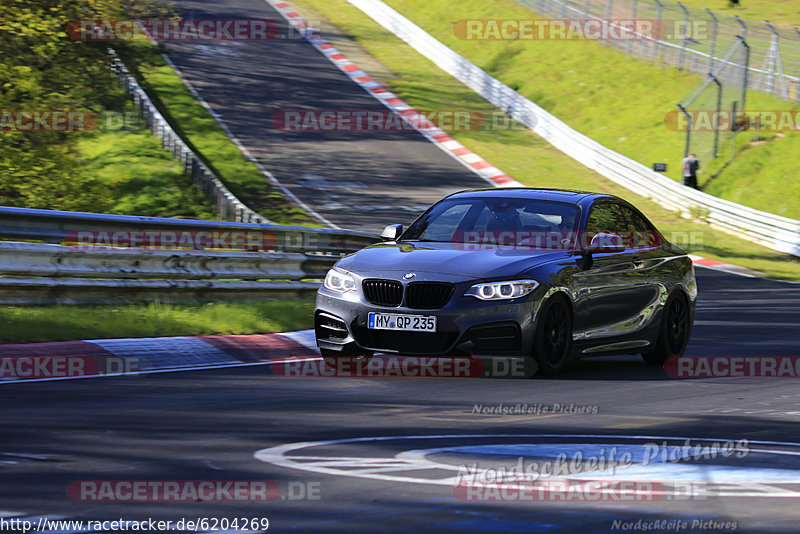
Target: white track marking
x,y
378,468
303,337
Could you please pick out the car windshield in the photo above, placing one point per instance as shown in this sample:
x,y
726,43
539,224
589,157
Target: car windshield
x,y
515,222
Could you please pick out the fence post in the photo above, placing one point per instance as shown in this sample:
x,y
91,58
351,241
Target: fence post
x,y
713,46
797,83
659,15
634,12
743,25
716,116
776,65
684,44
688,130
746,81
610,10
734,131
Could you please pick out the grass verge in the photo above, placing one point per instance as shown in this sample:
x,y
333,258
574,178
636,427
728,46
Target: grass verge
x,y
141,177
519,152
201,132
29,324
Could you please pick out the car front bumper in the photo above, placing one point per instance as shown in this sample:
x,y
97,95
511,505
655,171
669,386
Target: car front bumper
x,y
465,326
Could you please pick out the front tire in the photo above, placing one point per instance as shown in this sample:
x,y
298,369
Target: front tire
x,y
675,329
553,339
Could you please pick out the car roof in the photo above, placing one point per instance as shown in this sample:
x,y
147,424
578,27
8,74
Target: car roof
x,y
556,195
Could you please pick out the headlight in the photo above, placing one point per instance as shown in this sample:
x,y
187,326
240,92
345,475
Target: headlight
x,y
502,290
339,281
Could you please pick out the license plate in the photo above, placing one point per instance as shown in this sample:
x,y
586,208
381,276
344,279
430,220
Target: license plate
x,y
391,321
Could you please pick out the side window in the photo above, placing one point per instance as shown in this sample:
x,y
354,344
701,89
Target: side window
x,y
640,233
609,217
606,217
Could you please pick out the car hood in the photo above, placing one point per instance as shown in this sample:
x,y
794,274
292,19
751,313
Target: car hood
x,y
443,258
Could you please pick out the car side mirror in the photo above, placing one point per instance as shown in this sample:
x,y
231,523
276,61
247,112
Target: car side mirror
x,y
392,232
606,242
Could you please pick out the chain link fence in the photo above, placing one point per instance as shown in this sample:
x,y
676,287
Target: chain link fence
x,y
712,116
695,39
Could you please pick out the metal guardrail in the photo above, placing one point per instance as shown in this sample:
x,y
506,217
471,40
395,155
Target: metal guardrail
x,y
50,226
87,257
32,290
773,231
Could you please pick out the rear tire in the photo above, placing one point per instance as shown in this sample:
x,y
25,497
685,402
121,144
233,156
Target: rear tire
x,y
553,339
676,326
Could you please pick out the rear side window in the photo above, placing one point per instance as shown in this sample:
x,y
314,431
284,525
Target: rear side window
x,y
615,218
606,217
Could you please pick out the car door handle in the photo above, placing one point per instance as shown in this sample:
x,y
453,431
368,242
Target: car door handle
x,y
638,263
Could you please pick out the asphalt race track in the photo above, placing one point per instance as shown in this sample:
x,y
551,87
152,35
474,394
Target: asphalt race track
x,y
345,176
210,425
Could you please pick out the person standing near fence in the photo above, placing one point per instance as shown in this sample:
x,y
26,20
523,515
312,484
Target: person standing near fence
x,y
690,165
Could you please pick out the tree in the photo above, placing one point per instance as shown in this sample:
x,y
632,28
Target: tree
x,y
42,68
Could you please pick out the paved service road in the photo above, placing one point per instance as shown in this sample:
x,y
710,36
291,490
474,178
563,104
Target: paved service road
x,y
347,177
249,424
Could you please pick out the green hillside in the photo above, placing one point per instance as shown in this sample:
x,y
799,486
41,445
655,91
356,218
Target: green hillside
x,y
621,101
517,150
